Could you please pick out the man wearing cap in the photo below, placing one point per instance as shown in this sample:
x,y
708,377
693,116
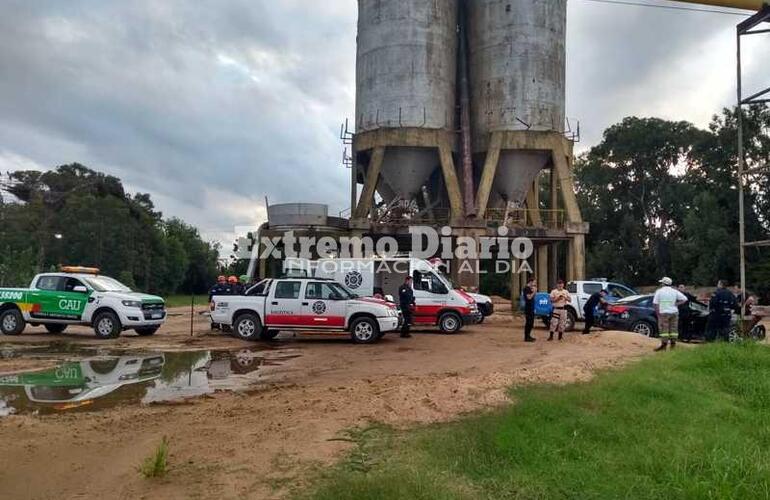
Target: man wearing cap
x,y
667,301
221,288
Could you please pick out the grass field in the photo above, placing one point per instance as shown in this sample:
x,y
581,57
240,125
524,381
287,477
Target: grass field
x,y
694,423
184,300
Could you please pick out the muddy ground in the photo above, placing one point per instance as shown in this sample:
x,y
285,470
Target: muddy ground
x,y
259,441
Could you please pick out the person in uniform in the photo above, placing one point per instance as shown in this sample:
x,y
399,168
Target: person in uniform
x,y
406,301
721,307
588,309
560,297
685,315
220,288
235,286
529,309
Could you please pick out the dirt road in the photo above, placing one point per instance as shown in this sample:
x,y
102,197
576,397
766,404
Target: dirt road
x,y
260,442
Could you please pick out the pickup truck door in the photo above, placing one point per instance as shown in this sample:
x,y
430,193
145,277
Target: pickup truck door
x,y
323,306
71,302
48,302
283,306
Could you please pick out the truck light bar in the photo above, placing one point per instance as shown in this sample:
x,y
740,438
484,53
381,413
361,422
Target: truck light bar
x,y
79,270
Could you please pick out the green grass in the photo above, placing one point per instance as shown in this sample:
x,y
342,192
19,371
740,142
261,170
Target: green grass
x,y
688,424
156,465
184,300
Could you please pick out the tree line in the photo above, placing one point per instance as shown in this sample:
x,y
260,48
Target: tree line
x,y
73,215
661,197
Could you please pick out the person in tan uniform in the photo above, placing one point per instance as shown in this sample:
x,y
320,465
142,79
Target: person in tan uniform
x,y
560,297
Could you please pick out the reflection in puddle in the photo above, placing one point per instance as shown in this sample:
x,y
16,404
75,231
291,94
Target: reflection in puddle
x,y
102,380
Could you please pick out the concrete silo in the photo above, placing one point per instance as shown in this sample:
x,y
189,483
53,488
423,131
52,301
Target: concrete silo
x,y
517,60
406,72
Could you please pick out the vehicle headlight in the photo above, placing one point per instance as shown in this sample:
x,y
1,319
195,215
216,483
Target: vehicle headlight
x,y
132,303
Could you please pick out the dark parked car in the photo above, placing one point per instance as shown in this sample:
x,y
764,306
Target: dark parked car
x,y
637,314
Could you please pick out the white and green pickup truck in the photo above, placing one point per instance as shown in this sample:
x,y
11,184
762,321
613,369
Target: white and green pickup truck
x,y
79,296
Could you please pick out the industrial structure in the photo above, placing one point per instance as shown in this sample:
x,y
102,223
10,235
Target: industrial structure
x,y
460,121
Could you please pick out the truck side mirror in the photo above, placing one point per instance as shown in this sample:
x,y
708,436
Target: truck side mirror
x,y
80,289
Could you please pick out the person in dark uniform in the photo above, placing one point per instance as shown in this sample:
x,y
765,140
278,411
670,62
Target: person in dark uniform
x,y
406,301
589,308
529,309
721,307
685,332
221,288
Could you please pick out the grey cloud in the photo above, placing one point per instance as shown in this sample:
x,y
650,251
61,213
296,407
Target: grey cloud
x,y
183,98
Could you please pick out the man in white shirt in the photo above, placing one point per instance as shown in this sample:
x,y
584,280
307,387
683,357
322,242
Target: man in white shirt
x,y
667,301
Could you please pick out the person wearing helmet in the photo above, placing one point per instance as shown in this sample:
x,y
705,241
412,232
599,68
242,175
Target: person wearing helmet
x,y
235,287
245,283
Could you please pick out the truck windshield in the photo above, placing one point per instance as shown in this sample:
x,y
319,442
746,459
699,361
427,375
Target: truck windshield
x,y
347,294
447,280
105,284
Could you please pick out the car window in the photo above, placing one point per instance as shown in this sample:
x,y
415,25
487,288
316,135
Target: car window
x,y
592,288
260,289
619,291
69,284
645,302
287,290
323,291
697,306
572,288
50,283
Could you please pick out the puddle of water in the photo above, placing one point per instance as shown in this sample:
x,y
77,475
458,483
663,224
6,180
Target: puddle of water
x,y
92,379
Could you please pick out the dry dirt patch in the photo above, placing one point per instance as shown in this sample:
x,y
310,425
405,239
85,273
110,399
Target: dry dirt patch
x,y
252,444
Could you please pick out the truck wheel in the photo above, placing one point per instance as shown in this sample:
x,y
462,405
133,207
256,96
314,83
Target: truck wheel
x,y
55,328
12,322
644,328
364,331
450,322
146,331
247,327
107,325
268,334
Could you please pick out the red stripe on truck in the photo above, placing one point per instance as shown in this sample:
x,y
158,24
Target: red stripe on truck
x,y
306,320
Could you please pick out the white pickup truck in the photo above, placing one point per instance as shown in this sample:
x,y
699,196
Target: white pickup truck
x,y
581,291
303,304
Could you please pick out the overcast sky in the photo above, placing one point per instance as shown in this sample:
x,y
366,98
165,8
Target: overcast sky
x,y
211,105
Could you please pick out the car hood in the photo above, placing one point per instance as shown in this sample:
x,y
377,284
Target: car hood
x,y
481,299
144,297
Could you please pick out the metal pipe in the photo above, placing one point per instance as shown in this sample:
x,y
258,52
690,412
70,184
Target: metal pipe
x,y
465,114
732,4
741,208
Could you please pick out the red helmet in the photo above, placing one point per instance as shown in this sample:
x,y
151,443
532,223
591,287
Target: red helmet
x,y
232,279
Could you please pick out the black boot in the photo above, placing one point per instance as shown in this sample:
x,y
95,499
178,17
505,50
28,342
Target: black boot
x,y
661,347
673,344
529,339
561,335
550,337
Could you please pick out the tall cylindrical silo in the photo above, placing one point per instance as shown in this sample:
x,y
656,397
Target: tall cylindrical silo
x,y
517,69
406,74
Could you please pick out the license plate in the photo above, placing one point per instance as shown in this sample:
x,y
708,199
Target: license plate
x,y
156,315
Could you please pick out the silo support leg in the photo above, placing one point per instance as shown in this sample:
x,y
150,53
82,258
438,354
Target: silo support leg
x,y
370,184
533,203
567,185
450,179
488,174
542,267
515,286
576,258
